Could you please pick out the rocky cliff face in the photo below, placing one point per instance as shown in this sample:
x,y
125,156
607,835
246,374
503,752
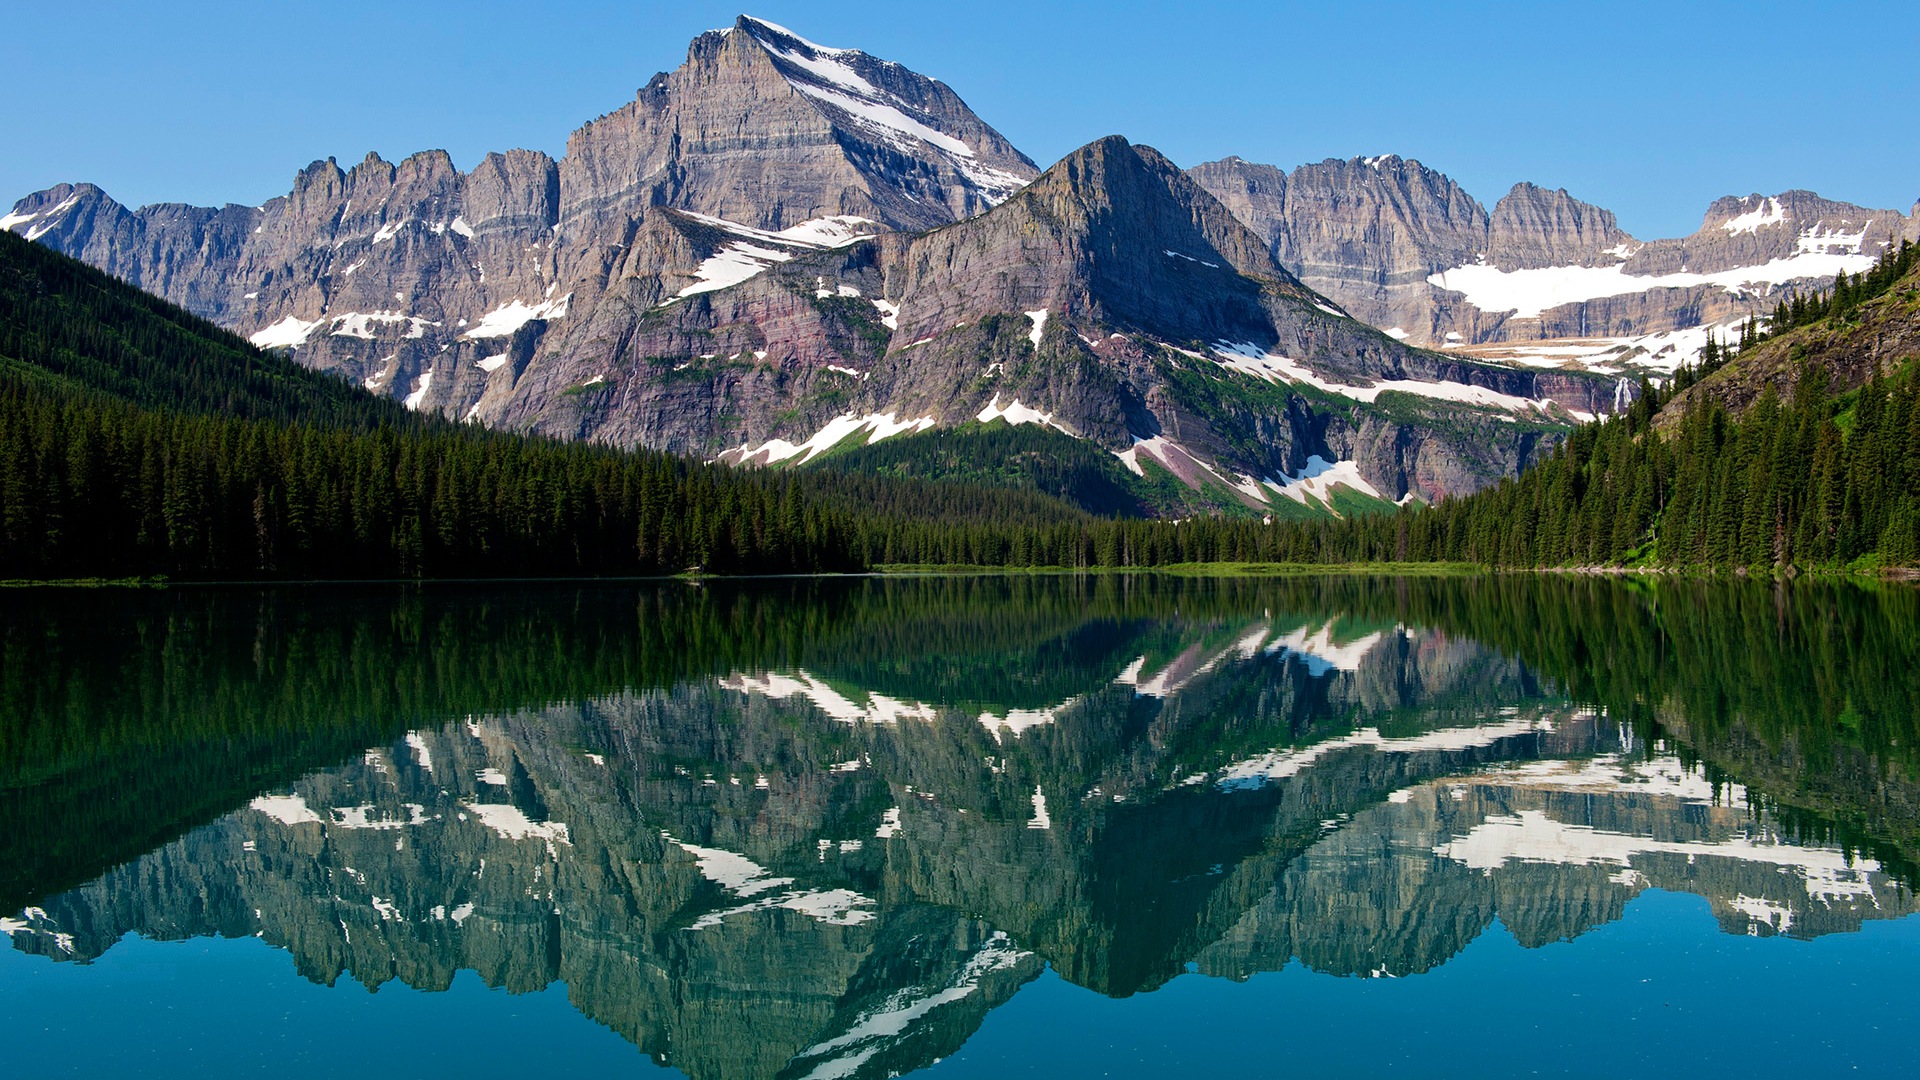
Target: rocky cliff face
x,y
1374,225
1532,227
1545,280
1880,335
1111,300
765,128
414,278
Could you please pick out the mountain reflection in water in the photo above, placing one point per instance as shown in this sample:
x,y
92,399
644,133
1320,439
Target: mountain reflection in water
x,y
824,828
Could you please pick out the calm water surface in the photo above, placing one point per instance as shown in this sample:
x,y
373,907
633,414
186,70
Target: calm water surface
x,y
972,826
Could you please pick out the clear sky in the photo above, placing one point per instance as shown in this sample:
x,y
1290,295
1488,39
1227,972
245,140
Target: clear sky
x,y
1649,109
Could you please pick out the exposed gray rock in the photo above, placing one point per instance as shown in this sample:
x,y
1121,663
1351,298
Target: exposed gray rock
x,y
1375,234
1368,233
387,273
1533,227
765,128
1099,298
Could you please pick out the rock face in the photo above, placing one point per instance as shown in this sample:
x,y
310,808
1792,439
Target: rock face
x,y
730,266
1365,232
1533,227
1880,336
765,128
1403,247
1112,299
414,278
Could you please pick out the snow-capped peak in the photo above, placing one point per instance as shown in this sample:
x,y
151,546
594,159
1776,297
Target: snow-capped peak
x,y
832,78
776,28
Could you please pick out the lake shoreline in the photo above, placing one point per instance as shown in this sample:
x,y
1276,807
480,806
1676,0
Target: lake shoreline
x,y
907,570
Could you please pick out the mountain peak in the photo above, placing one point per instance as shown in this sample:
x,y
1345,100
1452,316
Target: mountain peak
x,y
1113,233
757,27
1534,226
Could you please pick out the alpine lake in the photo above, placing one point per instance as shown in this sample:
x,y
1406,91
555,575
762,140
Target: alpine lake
x,y
979,826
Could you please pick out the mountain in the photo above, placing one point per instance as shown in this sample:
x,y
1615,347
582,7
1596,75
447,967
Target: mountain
x,y
1544,280
1112,300
1797,450
767,129
780,245
394,275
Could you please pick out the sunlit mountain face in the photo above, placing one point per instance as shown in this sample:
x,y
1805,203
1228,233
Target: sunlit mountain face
x,y
834,828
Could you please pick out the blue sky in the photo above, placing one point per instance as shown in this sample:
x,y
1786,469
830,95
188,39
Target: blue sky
x,y
1651,110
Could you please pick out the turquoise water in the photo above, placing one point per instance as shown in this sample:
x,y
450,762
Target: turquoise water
x,y
1082,827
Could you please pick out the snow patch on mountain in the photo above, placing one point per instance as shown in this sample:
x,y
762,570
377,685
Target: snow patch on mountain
x,y
1526,294
1318,477
1530,836
511,823
894,1020
1769,212
1322,653
732,265
289,333
419,394
505,319
1175,458
1253,360
888,121
759,249
1039,319
822,73
1664,351
1170,253
286,809
361,324
836,231
1016,414
731,871
878,708
1040,819
878,425
1820,240
1282,764
1018,721
45,217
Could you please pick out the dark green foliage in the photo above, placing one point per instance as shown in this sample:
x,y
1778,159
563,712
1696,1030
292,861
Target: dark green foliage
x,y
95,487
71,325
1027,458
1837,304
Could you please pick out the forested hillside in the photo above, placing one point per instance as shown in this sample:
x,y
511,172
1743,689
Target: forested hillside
x,y
138,440
65,327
